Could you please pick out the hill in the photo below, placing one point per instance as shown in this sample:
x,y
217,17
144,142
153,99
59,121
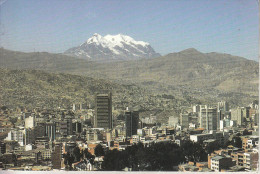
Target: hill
x,y
188,75
34,88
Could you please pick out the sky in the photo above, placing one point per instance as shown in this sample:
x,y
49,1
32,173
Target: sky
x,y
230,27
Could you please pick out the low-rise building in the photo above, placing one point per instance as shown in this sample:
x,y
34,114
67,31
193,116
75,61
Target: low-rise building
x,y
220,162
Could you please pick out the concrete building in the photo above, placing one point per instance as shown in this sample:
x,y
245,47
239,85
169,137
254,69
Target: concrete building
x,y
103,117
2,148
237,115
50,130
16,135
223,105
250,142
220,137
251,160
220,162
196,108
222,110
184,120
149,120
226,123
64,127
76,127
208,117
248,159
140,132
29,122
201,137
56,157
173,121
39,131
29,136
94,135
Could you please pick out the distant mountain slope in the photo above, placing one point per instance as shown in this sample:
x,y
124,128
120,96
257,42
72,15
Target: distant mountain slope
x,y
39,88
189,73
33,88
41,61
112,47
192,69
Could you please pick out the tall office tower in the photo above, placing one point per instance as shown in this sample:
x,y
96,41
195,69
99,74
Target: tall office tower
x,y
50,130
29,122
245,111
131,122
223,110
184,120
56,157
208,117
223,105
65,126
76,127
103,117
237,115
196,108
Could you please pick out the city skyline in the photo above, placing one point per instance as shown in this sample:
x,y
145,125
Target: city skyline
x,y
169,26
152,85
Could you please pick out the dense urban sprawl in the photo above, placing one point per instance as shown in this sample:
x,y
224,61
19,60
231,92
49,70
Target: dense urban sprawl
x,y
85,138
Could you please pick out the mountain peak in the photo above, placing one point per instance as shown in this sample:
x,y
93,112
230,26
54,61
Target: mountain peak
x,y
94,39
114,47
96,35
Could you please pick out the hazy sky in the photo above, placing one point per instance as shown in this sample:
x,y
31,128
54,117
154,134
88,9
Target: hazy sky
x,y
169,26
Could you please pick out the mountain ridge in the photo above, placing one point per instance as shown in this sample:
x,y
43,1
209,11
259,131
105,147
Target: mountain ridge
x,y
205,76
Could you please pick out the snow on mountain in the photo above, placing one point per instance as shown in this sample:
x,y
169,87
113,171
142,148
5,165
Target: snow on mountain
x,y
113,47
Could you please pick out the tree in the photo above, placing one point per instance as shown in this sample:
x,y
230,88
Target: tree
x,y
13,120
68,160
99,151
4,108
246,132
112,161
77,154
89,156
155,157
237,142
211,147
193,151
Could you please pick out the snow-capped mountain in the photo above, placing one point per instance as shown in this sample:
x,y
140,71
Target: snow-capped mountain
x,y
113,47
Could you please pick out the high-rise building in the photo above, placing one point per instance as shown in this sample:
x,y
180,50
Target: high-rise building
x,y
17,135
29,136
196,108
64,127
223,105
76,127
57,156
184,120
29,122
103,117
237,115
208,117
50,130
131,122
173,121
223,109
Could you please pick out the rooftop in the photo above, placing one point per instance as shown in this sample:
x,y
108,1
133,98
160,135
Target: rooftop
x,y
217,157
